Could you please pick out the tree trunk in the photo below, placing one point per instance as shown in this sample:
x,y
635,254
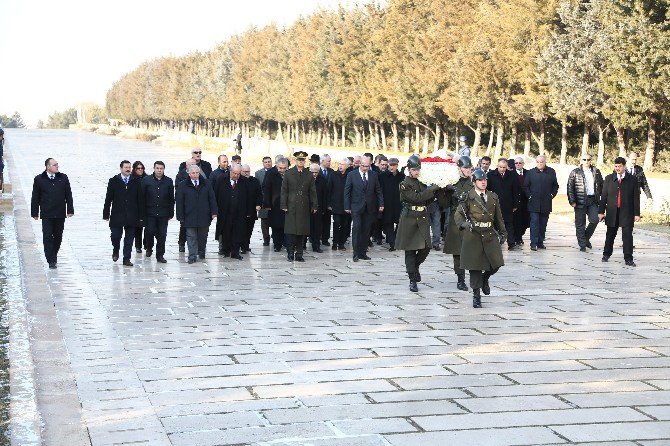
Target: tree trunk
x,y
344,135
499,141
478,139
406,145
513,140
621,140
526,142
564,140
334,130
394,131
373,135
426,142
382,133
438,136
417,139
602,132
364,138
490,144
585,138
357,143
651,142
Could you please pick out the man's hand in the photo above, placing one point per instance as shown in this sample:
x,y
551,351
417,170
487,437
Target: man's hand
x,y
574,205
348,211
314,211
36,218
285,210
466,225
70,215
514,209
601,216
214,216
381,209
637,218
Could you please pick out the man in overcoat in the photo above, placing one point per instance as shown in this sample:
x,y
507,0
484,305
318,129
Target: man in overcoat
x,y
454,238
414,225
263,214
158,190
235,205
390,181
506,186
481,221
540,186
124,209
256,197
52,202
341,219
521,216
316,219
298,200
620,207
271,201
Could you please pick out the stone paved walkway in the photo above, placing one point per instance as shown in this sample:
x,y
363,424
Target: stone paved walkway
x,y
566,349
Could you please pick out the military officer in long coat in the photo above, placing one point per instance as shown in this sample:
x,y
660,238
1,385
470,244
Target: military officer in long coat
x,y
298,199
454,238
414,227
480,220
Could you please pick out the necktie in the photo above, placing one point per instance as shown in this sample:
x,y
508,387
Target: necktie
x,y
51,177
618,194
196,183
234,184
483,197
125,180
365,179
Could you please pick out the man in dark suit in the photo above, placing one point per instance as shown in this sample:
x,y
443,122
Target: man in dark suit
x,y
52,201
263,214
620,207
362,199
341,219
124,197
390,181
521,217
638,173
271,201
316,220
506,187
256,197
196,208
158,191
235,205
327,216
205,166
540,186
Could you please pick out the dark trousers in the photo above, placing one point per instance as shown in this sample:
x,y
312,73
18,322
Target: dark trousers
x,y
590,211
390,230
52,236
376,228
156,229
361,223
232,236
538,228
520,224
182,235
315,230
138,237
278,236
295,243
509,227
326,219
414,259
265,229
246,243
116,233
341,225
477,277
457,265
626,235
196,239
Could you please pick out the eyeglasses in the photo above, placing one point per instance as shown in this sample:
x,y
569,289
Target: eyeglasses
x,y
586,159
139,168
197,153
518,162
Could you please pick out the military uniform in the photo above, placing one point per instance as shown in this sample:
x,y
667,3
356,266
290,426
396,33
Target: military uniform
x,y
414,228
454,238
479,218
298,195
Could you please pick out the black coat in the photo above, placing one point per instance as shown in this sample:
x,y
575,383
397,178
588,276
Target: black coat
x,y
205,167
540,187
391,190
630,200
234,205
195,207
321,194
272,197
216,174
638,172
51,199
256,194
336,183
158,196
360,198
577,186
508,191
126,202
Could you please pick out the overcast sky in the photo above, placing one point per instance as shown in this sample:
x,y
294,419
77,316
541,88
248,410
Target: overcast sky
x,y
57,53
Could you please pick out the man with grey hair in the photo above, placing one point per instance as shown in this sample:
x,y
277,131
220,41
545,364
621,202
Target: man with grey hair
x,y
327,216
196,208
540,186
255,195
316,220
271,201
521,217
341,219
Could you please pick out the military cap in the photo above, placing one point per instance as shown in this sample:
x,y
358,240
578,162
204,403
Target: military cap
x,y
462,138
300,154
465,161
394,161
479,174
414,162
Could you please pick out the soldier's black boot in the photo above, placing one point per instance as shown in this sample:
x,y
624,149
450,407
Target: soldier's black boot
x,y
476,298
486,289
412,283
417,276
290,256
461,283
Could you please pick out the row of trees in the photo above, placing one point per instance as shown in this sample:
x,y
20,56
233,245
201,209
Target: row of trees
x,y
12,122
515,75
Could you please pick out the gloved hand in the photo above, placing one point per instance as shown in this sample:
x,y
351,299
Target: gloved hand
x,y
466,225
502,239
450,188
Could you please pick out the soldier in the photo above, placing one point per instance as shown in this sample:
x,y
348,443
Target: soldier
x,y
414,227
463,149
454,238
480,220
298,199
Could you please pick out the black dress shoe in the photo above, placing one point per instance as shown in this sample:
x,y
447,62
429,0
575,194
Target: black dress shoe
x,y
370,244
417,276
317,250
325,243
277,248
138,250
583,249
436,247
630,263
127,263
511,247
461,285
392,248
355,258
299,258
243,251
266,243
413,286
606,259
149,252
541,246
236,256
365,257
290,257
342,248
202,256
161,259
191,261
52,265
588,245
476,299
115,255
182,248
533,248
334,247
486,289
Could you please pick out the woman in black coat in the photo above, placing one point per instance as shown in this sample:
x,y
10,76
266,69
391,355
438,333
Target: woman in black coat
x,y
139,172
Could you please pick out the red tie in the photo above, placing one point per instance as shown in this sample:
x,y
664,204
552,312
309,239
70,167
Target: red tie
x,y
618,195
234,184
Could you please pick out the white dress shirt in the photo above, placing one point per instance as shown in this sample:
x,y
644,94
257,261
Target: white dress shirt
x,y
589,181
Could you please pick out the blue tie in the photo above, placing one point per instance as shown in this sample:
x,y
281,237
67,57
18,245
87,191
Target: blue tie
x,y
125,180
